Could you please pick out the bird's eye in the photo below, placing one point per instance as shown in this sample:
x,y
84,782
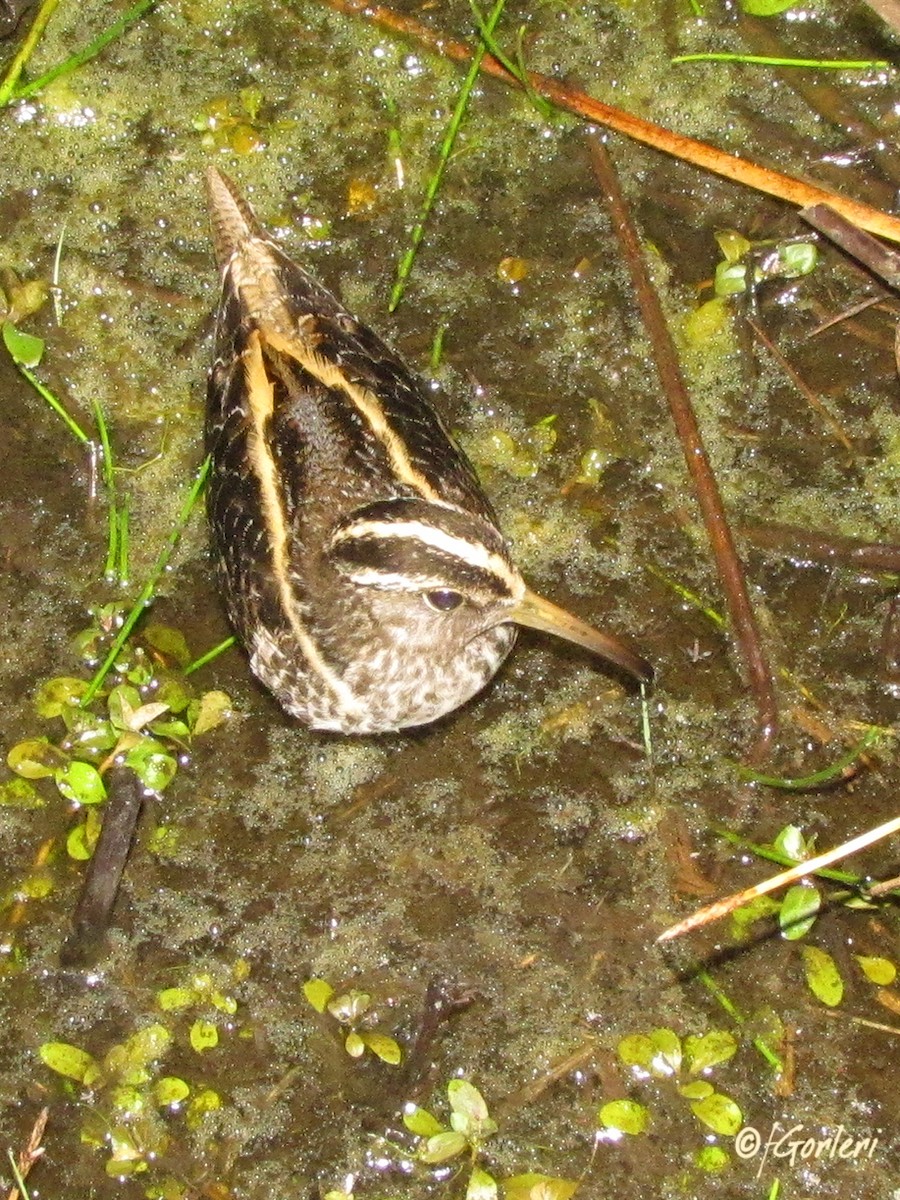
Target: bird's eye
x,y
443,600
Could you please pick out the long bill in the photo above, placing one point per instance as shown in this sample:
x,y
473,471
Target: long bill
x,y
537,613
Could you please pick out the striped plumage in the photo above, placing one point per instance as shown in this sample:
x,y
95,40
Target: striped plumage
x,y
360,561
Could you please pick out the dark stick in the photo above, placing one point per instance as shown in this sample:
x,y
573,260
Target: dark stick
x,y
731,572
881,260
104,871
832,549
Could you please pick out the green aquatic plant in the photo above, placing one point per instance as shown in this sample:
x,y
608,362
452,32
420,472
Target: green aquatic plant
x,y
144,718
352,1011
745,264
464,1136
662,1055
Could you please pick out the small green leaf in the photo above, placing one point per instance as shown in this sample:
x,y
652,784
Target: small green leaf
x,y
68,1060
354,1045
742,918
141,717
482,1186
56,695
666,1052
80,782
152,763
350,1006
712,1159
733,245
136,1054
698,1090
127,1102
225,1004
25,349
466,1100
35,759
209,711
766,8
730,278
720,1113
200,1105
170,1090
823,976
204,1036
797,259
82,838
877,970
122,702
168,641
625,1115
383,1047
20,793
442,1147
798,911
708,1051
539,1187
318,992
421,1122
636,1050
175,999
791,843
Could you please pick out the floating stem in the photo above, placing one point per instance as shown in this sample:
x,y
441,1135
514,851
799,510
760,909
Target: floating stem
x,y
765,60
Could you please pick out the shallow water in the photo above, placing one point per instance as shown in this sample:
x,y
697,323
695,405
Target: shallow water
x,y
525,852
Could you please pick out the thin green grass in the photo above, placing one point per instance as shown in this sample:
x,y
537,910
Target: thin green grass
x,y
782,860
74,61
764,60
17,1176
149,589
829,774
44,392
19,62
116,525
737,1016
210,655
406,263
516,66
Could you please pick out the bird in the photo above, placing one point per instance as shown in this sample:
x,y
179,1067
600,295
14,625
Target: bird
x,y
360,561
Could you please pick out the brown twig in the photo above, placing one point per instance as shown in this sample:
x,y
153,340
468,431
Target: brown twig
x,y
731,572
32,1151
881,260
701,154
830,549
803,388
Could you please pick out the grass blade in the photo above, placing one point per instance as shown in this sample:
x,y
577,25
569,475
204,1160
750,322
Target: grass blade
x,y
406,263
149,588
17,66
74,61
